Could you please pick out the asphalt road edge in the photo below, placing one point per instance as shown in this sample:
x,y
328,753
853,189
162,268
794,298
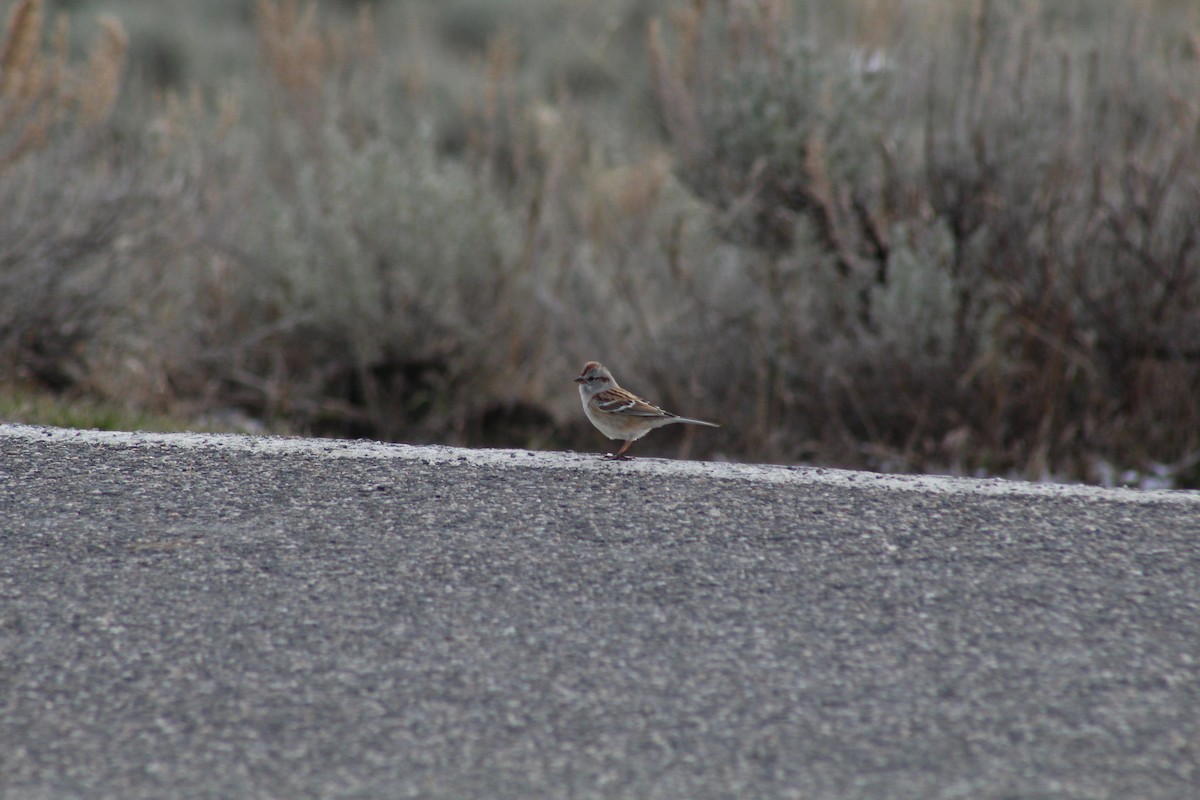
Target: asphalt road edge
x,y
593,462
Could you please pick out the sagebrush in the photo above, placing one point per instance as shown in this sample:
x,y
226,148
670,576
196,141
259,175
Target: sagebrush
x,y
951,237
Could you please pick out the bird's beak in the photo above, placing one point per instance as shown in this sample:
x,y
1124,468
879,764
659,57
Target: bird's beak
x,y
580,379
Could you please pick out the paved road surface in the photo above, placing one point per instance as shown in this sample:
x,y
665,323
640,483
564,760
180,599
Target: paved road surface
x,y
230,617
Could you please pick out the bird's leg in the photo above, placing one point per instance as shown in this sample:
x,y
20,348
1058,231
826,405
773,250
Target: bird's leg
x,y
620,454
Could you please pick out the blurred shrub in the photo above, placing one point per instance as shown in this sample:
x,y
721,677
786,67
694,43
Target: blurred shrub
x,y
59,211
900,236
367,265
1010,265
41,91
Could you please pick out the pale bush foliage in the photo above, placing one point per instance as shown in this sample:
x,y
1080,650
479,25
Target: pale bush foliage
x,y
943,237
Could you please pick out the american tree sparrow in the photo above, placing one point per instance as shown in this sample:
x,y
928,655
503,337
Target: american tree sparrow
x,y
619,414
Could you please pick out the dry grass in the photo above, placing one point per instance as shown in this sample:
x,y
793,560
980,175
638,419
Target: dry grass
x,y
902,237
991,301
39,88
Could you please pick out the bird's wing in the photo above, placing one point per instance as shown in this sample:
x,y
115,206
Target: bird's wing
x,y
619,401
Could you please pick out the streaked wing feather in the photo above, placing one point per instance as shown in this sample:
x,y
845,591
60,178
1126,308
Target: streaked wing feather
x,y
632,406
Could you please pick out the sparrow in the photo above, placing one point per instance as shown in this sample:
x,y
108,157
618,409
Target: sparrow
x,y
620,414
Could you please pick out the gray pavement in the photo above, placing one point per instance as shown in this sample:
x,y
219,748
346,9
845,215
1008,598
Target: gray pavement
x,y
230,617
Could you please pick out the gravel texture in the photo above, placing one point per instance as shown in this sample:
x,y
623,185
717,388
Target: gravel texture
x,y
221,617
